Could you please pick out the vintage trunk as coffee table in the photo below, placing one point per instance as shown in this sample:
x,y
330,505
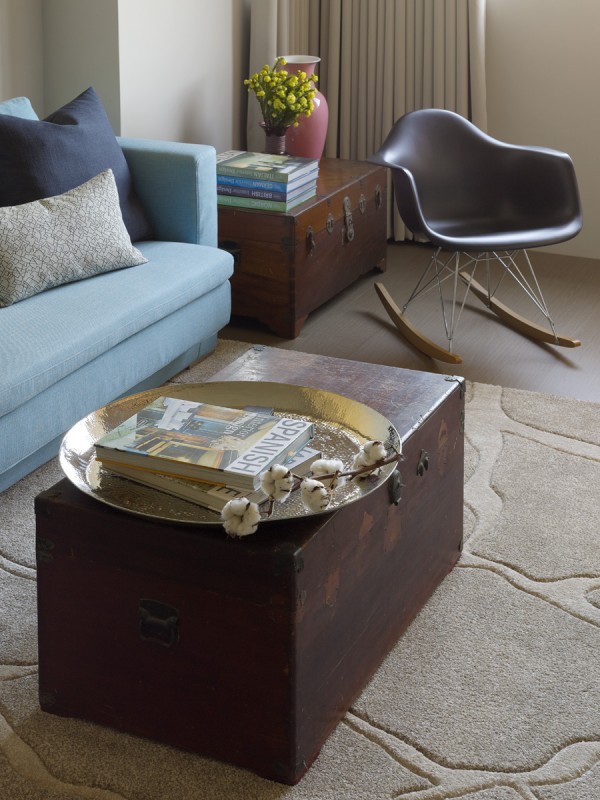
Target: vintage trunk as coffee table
x,y
251,650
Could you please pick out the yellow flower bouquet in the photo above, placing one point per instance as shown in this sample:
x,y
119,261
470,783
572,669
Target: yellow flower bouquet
x,y
282,97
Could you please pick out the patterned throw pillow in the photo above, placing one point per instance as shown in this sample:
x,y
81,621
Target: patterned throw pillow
x,y
62,239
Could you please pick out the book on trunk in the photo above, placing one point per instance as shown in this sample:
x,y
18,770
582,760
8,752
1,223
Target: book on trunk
x,y
268,194
205,442
264,166
209,495
277,187
266,205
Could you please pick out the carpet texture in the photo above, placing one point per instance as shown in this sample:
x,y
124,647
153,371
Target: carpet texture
x,y
492,694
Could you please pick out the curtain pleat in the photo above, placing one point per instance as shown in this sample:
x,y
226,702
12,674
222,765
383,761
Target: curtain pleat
x,y
379,60
270,25
329,76
477,63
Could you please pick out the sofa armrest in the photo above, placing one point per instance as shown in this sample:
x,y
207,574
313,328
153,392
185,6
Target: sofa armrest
x,y
177,186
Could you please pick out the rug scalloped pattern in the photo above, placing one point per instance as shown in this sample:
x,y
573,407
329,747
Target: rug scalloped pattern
x,y
492,694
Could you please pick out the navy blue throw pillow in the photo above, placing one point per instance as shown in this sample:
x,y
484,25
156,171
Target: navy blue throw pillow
x,y
44,158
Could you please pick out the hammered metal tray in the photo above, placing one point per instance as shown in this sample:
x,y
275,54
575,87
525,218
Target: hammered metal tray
x,y
341,426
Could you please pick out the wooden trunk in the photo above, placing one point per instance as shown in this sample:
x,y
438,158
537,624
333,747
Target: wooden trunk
x,y
287,265
252,650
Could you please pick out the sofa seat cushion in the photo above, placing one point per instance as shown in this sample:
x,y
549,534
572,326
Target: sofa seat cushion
x,y
52,334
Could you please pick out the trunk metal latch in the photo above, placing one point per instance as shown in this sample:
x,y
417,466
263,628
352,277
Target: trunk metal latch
x,y
158,622
423,464
348,224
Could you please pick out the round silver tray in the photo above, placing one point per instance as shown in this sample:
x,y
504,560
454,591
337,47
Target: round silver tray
x,y
341,426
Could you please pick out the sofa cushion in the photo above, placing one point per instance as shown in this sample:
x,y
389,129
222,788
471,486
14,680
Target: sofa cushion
x,y
61,239
52,334
142,361
43,158
18,107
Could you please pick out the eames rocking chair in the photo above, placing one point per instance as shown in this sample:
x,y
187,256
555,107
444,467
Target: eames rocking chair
x,y
480,202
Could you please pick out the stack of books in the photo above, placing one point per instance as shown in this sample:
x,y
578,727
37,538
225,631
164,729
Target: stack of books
x,y
263,181
205,453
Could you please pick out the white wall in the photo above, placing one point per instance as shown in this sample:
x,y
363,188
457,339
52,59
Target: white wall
x,y
180,64
21,51
543,66
81,50
164,70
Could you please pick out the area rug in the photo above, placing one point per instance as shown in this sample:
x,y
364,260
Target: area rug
x,y
492,694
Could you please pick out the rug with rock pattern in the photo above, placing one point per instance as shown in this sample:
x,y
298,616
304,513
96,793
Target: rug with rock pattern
x,y
492,694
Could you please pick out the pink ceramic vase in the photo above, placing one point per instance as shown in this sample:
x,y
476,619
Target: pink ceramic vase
x,y
308,138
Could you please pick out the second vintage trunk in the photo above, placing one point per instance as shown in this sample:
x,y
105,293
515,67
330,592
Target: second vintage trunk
x,y
287,265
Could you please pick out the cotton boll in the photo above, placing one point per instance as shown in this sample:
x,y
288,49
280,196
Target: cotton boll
x,y
326,466
277,482
247,525
370,453
314,494
240,517
374,452
359,461
235,508
281,495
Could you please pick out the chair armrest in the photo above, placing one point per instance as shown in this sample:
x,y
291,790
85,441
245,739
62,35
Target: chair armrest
x,y
544,183
177,186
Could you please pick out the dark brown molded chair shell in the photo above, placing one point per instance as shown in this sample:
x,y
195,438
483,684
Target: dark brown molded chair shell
x,y
477,199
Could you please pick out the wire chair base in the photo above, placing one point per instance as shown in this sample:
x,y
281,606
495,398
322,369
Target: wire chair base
x,y
458,270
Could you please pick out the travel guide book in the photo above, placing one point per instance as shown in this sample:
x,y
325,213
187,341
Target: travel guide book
x,y
282,169
268,194
209,495
205,442
266,205
269,186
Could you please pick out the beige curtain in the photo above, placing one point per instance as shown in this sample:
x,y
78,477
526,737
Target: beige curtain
x,y
269,37
379,60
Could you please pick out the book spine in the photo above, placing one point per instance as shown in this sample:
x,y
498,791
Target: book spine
x,y
249,183
252,202
255,174
259,194
286,437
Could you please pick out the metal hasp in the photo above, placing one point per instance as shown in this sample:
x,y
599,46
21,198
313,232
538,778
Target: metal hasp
x,y
348,224
396,487
423,464
158,622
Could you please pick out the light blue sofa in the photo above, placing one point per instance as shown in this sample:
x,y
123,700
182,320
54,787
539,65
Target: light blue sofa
x,y
74,348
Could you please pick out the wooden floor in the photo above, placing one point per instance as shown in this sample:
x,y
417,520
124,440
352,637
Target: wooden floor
x,y
354,325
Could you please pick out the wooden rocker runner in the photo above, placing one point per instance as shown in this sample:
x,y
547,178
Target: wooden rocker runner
x,y
482,203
